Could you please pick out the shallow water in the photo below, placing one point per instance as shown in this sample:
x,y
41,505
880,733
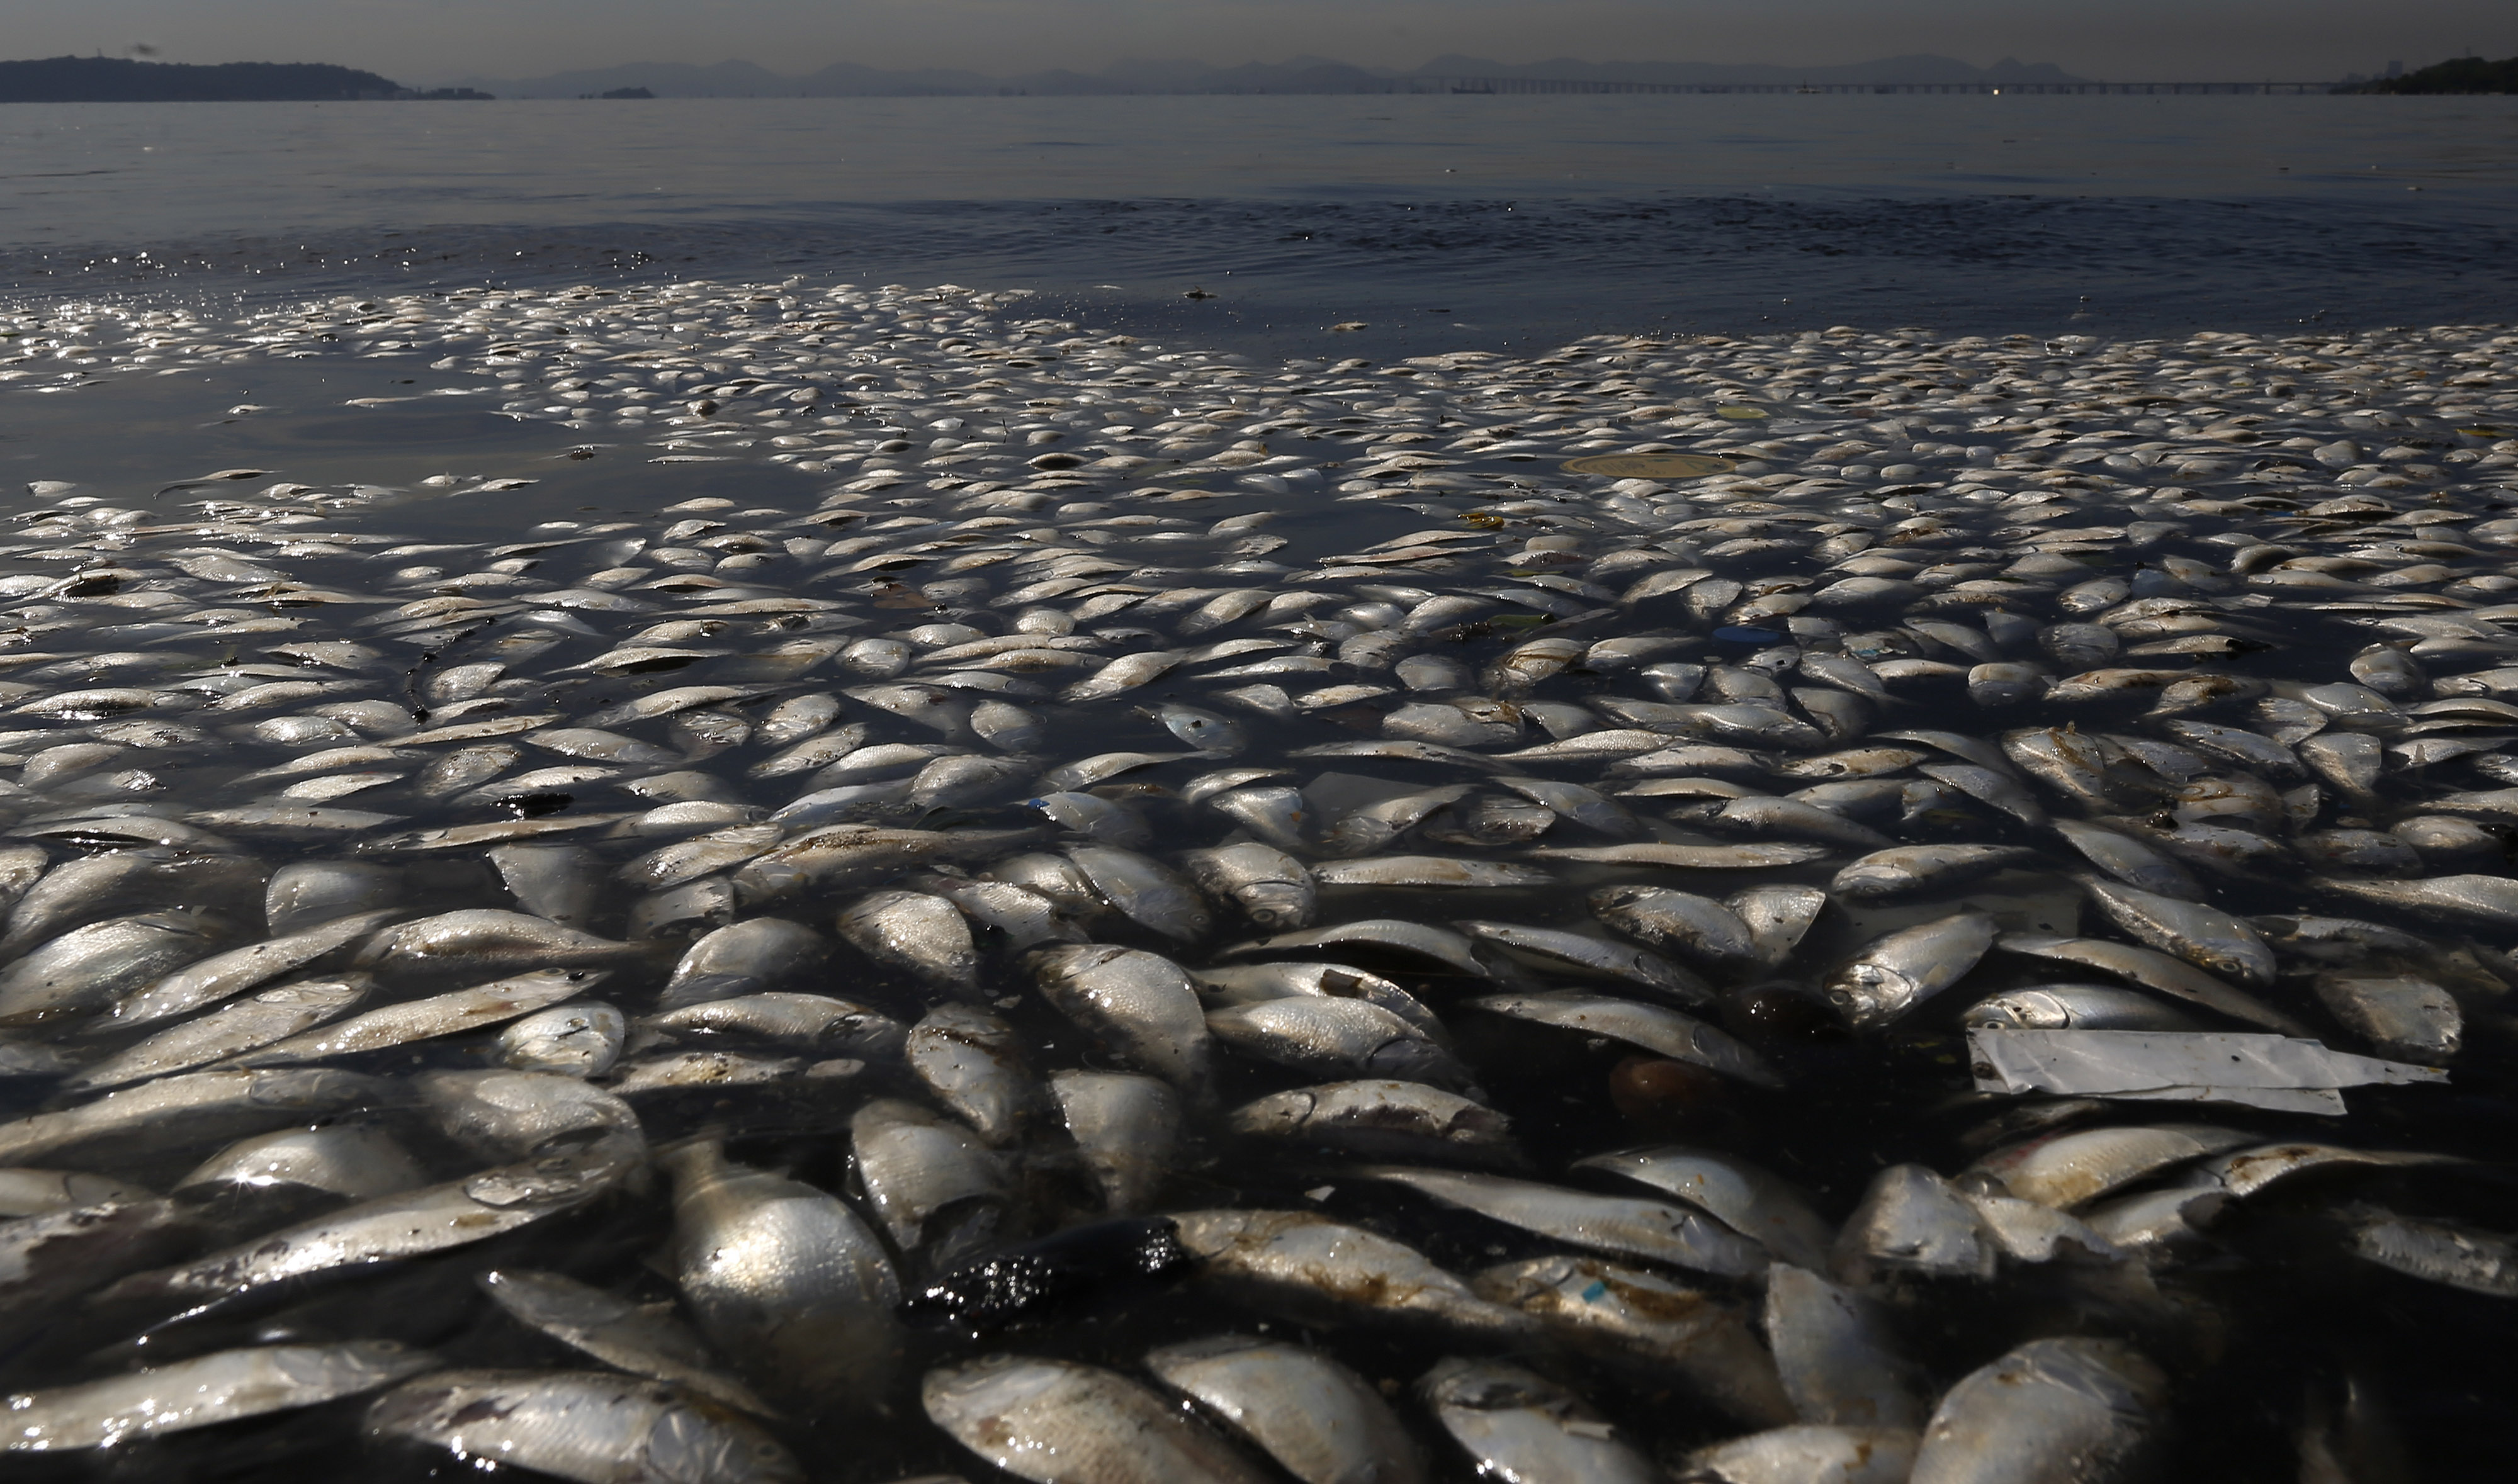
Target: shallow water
x,y
1438,222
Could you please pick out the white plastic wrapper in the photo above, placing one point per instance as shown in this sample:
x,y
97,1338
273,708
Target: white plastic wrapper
x,y
2283,1072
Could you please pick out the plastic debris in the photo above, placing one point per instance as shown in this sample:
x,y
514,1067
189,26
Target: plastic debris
x,y
2283,1072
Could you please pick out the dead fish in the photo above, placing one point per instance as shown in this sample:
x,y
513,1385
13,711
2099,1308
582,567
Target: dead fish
x,y
389,1229
487,938
921,934
222,975
86,969
169,1115
1624,1225
2202,935
2154,970
941,1192
1839,1455
1054,1420
2090,1406
1912,870
448,1014
259,1019
1317,1270
1145,889
1515,1424
1271,888
1746,1197
1337,1037
1142,1004
1887,979
1834,1354
972,1062
203,1391
1380,1119
581,1424
1126,1129
1656,1029
786,1280
1323,1423
1648,1325
1594,957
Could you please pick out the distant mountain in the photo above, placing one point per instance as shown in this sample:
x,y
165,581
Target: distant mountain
x,y
115,79
1920,68
1298,74
2465,74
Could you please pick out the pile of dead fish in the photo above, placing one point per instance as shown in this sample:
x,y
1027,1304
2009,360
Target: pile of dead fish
x,y
1596,978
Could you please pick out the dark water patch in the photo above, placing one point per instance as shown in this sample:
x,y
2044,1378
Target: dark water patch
x,y
1504,273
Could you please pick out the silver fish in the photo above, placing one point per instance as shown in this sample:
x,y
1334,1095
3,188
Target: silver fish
x,y
222,975
1593,957
1143,1004
972,1062
2085,1006
2086,1409
191,1110
1317,1270
353,1158
1911,1221
1837,1455
922,934
580,1040
746,958
1911,869
783,1279
1271,887
391,1228
1834,1354
86,969
1054,1421
1126,1129
1145,889
1323,1423
487,938
582,1425
1661,1031
1748,1199
1892,976
1515,1424
1336,1036
1648,1325
2069,1169
203,1391
643,1340
2204,935
2154,970
1616,1224
1380,1119
448,1014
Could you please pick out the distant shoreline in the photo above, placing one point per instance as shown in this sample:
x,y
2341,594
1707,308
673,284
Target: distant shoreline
x,y
109,79
116,79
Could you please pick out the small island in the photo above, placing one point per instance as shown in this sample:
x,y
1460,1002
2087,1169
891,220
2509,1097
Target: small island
x,y
2463,74
118,79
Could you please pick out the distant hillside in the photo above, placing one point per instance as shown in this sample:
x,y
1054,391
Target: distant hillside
x,y
2467,74
1299,74
114,79
1912,68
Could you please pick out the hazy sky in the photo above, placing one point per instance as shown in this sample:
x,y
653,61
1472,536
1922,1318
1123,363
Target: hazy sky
x,y
425,41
